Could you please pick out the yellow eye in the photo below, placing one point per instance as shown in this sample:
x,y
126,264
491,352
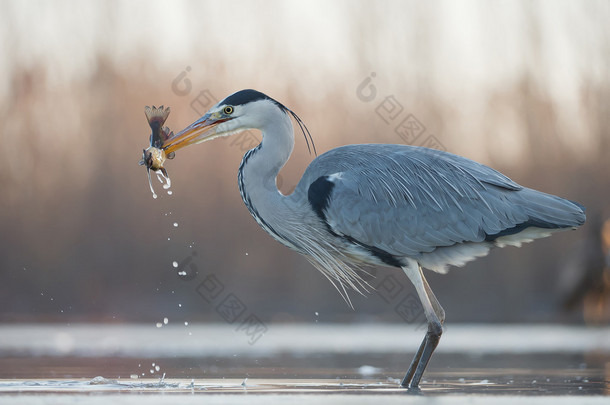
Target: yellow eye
x,y
228,110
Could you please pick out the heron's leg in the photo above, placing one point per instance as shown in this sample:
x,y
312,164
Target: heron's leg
x,y
409,376
440,312
434,314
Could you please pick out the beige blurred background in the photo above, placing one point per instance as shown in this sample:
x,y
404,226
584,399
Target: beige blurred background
x,y
521,86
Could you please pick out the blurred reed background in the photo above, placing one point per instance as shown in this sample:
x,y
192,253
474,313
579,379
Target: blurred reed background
x,y
521,86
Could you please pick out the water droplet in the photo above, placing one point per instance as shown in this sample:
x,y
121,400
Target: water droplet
x,y
168,184
170,192
159,324
150,183
165,321
175,264
186,324
163,179
182,273
179,305
317,313
176,224
157,368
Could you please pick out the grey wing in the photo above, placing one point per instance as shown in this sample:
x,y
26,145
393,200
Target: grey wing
x,y
400,200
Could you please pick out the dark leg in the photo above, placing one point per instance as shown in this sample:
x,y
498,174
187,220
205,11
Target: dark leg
x,y
409,376
435,316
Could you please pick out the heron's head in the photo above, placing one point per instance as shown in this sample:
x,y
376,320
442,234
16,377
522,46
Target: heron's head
x,y
246,109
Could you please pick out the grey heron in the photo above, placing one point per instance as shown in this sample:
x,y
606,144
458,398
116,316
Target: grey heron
x,y
378,204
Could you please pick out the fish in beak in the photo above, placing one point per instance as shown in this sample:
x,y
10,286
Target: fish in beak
x,y
164,143
154,156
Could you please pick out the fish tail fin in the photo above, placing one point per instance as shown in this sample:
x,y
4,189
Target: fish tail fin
x,y
156,115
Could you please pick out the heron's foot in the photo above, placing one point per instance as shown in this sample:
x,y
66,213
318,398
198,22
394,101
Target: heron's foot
x,y
414,391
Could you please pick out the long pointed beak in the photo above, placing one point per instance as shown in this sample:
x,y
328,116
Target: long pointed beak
x,y
198,131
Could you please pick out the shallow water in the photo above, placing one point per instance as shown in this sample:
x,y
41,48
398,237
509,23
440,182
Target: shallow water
x,y
107,360
379,374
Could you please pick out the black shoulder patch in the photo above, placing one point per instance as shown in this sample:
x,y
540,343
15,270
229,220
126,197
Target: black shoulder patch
x,y
245,96
521,227
319,195
380,254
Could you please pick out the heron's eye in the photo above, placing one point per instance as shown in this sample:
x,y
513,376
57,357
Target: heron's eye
x,y
228,110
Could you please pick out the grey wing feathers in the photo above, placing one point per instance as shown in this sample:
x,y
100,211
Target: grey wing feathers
x,y
409,201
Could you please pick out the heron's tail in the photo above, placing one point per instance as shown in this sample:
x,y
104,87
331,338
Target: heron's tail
x,y
551,212
540,215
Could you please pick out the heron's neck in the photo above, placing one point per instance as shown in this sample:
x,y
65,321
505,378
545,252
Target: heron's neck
x,y
257,177
262,164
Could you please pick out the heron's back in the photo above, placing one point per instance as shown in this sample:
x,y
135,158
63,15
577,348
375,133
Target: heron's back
x,y
436,207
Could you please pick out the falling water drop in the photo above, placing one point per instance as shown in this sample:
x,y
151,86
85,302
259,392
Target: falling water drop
x,y
161,176
165,180
150,183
